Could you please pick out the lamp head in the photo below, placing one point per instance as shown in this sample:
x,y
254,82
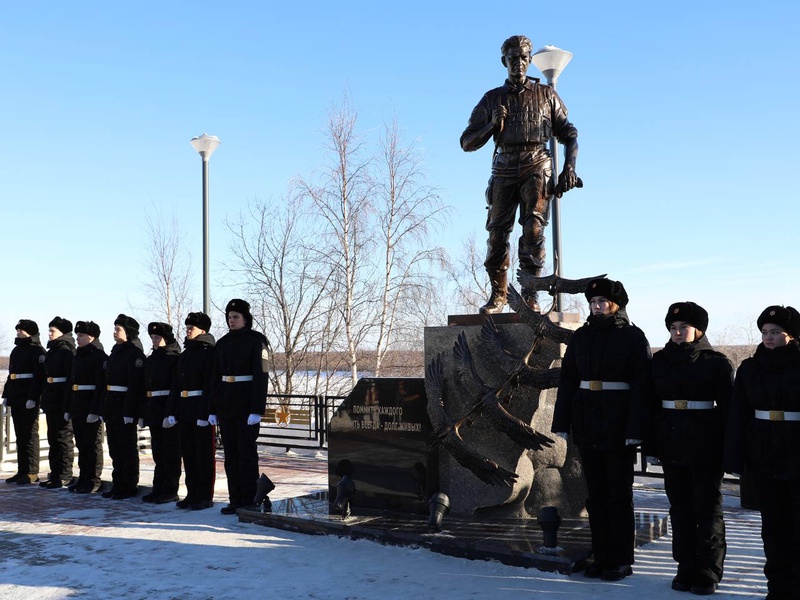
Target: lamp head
x,y
551,61
205,144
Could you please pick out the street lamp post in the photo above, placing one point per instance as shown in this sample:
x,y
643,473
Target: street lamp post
x,y
205,144
551,61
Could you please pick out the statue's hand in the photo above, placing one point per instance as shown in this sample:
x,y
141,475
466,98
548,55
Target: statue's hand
x,y
566,181
499,115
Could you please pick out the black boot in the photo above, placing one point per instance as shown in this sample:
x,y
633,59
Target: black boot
x,y
496,302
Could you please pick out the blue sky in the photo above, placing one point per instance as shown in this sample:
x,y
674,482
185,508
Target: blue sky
x,y
686,113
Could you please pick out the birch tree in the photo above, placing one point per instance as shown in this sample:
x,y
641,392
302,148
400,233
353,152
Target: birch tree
x,y
341,195
291,290
168,264
406,212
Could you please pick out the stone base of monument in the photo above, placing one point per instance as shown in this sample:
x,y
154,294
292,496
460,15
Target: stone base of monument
x,y
546,476
515,542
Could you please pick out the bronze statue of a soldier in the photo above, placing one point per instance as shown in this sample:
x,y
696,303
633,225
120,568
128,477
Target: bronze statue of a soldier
x,y
521,116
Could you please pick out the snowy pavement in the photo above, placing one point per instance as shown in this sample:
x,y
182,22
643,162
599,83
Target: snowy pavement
x,y
54,544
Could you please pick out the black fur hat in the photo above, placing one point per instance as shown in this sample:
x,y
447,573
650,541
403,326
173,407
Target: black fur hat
x,y
200,320
688,312
63,325
785,316
88,327
162,329
28,326
129,324
242,307
608,288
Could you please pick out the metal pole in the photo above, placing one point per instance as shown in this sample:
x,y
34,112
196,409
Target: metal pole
x,y
206,295
556,213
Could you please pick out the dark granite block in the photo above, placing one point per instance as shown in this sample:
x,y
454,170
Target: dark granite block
x,y
382,429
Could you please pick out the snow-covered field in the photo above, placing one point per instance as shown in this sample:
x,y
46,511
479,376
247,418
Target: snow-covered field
x,y
54,544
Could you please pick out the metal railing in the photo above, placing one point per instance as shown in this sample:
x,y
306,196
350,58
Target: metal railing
x,y
297,420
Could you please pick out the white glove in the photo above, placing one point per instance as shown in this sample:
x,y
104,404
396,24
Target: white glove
x,y
212,420
30,404
91,418
632,442
562,435
651,460
141,423
201,423
127,420
254,419
67,416
168,422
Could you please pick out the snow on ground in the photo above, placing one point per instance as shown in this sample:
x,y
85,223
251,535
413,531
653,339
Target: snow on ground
x,y
55,545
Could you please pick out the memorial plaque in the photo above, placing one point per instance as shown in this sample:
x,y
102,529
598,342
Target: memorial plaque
x,y
382,429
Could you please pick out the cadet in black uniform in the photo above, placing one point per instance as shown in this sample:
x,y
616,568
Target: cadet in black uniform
x,y
58,370
602,401
122,402
238,401
691,395
764,434
88,386
21,394
159,370
189,409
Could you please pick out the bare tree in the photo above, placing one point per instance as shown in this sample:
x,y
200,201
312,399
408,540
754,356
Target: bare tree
x,y
168,264
406,211
291,291
341,195
468,277
738,341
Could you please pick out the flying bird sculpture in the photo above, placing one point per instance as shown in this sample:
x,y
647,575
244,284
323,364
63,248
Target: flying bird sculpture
x,y
553,284
446,431
540,379
488,402
541,324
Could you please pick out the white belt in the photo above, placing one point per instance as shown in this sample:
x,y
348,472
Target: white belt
x,y
777,415
83,388
157,393
688,404
598,386
56,380
191,393
117,388
21,376
236,378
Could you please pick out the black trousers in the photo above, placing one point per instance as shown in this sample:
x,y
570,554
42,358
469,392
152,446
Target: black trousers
x,y
123,446
780,531
62,447
198,448
609,481
241,459
89,441
26,430
698,529
166,445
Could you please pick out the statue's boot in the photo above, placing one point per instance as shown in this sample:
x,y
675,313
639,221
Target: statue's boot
x,y
531,298
496,302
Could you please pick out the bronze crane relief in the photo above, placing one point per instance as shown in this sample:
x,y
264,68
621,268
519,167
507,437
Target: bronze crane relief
x,y
492,403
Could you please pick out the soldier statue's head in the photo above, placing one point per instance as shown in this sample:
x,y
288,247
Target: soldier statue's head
x,y
516,41
516,57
